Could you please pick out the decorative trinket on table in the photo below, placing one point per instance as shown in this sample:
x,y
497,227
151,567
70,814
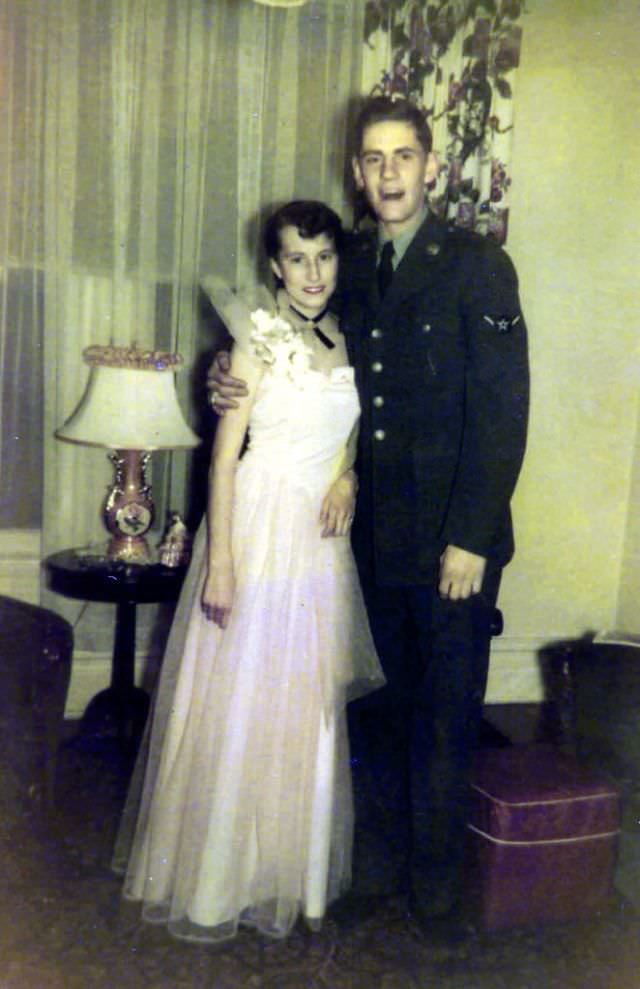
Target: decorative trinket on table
x,y
175,548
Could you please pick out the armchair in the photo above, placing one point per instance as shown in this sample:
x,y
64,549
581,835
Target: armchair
x,y
35,667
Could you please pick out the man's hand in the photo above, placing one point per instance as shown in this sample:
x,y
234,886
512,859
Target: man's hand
x,y
338,506
461,573
224,389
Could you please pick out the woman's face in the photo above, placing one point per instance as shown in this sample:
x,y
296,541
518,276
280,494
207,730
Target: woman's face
x,y
308,266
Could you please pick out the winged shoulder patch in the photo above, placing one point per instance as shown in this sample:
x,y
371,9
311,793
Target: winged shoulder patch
x,y
503,324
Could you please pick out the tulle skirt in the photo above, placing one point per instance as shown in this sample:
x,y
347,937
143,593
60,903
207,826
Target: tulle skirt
x,y
240,807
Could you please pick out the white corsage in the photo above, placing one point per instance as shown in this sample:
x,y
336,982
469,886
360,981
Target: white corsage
x,y
279,345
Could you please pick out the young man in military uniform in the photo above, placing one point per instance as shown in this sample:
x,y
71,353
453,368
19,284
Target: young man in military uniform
x,y
434,330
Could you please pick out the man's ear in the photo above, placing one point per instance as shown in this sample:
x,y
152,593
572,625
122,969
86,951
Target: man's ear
x,y
431,168
357,173
275,267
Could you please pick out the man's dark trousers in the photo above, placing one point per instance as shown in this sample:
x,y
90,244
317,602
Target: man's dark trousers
x,y
414,740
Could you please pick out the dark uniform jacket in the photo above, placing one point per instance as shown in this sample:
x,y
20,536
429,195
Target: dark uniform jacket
x,y
442,371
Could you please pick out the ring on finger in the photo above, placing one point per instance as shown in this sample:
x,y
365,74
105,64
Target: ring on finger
x,y
213,398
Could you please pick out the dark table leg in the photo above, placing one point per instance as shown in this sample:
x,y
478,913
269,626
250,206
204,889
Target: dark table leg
x,y
124,650
120,711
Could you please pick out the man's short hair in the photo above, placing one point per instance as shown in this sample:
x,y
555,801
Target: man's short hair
x,y
310,217
379,109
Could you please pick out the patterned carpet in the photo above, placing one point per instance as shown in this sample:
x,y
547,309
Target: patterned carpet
x,y
62,924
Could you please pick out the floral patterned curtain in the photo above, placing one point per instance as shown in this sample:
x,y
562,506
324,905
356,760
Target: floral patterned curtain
x,y
457,59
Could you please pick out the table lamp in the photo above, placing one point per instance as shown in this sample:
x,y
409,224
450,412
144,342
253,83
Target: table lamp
x,y
129,407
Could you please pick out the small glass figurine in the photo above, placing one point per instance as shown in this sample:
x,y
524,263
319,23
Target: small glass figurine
x,y
175,548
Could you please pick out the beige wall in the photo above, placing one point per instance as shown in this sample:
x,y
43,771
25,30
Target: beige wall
x,y
629,596
575,240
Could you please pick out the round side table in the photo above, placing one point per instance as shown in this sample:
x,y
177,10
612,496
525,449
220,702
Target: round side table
x,y
122,707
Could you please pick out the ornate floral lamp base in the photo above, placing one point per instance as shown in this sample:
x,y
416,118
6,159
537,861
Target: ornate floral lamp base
x,y
129,549
128,511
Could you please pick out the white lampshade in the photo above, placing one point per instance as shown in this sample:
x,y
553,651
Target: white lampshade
x,y
130,406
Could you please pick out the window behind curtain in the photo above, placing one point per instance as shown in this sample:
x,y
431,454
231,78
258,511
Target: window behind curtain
x,y
21,408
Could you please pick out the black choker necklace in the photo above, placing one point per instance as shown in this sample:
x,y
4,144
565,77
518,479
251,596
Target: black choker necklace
x,y
312,321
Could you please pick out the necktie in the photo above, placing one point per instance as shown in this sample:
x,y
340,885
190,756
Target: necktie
x,y
385,268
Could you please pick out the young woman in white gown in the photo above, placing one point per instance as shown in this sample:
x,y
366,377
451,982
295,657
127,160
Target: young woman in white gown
x,y
240,807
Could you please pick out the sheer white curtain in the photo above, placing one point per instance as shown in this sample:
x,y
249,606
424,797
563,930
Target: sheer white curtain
x,y
140,143
21,282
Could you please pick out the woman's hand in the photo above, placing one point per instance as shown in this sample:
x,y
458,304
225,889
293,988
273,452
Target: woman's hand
x,y
338,506
217,594
223,388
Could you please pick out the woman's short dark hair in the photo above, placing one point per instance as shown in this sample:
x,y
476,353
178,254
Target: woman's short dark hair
x,y
379,109
311,218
